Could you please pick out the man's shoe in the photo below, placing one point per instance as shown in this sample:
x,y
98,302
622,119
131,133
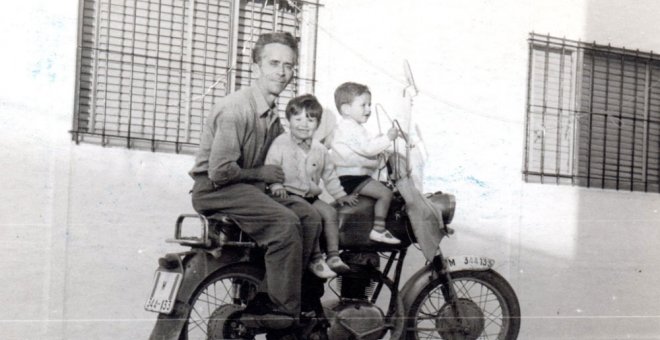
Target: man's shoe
x,y
384,237
261,312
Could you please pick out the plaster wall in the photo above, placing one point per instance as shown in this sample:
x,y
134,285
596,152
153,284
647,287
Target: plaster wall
x,y
81,226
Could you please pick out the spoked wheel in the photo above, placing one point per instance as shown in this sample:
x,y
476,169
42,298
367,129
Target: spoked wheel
x,y
487,308
218,301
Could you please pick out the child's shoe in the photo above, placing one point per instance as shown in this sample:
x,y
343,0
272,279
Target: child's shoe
x,y
321,269
337,265
383,236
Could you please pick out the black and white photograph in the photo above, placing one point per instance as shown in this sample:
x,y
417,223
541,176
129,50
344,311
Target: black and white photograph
x,y
330,169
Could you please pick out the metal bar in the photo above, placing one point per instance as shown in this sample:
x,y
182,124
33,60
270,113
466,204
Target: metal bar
x,y
560,113
275,14
204,72
647,104
607,109
386,271
105,94
591,109
634,139
528,106
546,66
542,40
233,47
130,87
188,107
576,95
620,125
97,29
155,103
315,44
76,100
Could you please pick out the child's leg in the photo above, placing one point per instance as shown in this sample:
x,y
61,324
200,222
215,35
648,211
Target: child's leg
x,y
383,197
331,233
330,226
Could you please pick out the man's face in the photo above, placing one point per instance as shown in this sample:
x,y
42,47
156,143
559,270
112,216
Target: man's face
x,y
275,70
303,127
359,110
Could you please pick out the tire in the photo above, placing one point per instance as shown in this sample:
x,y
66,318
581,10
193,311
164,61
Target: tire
x,y
223,293
485,298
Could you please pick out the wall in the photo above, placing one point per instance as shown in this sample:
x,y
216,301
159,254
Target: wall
x,y
579,259
82,226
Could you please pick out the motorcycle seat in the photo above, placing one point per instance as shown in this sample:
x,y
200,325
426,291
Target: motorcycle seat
x,y
355,223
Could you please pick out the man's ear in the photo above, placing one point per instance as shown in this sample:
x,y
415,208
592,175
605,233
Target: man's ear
x,y
256,70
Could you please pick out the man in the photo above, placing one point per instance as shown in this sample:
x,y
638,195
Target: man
x,y
230,175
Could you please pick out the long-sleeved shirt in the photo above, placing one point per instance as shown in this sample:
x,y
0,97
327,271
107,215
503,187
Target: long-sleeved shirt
x,y
303,167
236,135
354,152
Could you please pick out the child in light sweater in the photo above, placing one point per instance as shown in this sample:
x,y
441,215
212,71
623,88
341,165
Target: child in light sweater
x,y
356,155
305,162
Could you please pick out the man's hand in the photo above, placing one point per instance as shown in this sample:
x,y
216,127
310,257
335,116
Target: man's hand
x,y
351,200
281,193
271,174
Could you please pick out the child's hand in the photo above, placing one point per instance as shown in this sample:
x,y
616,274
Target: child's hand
x,y
392,133
348,199
281,193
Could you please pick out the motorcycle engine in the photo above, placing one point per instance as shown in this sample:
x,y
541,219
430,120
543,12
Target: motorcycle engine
x,y
354,316
355,319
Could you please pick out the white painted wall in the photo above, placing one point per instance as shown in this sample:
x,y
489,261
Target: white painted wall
x,y
81,226
581,260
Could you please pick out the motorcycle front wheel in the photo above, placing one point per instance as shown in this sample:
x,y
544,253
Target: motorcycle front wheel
x,y
217,300
486,304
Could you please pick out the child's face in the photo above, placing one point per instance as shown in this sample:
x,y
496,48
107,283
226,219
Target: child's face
x,y
360,109
303,127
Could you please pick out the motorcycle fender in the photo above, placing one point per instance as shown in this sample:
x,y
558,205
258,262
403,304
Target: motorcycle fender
x,y
426,274
415,284
196,267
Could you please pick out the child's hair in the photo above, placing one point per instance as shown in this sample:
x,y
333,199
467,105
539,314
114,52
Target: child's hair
x,y
284,38
306,103
346,93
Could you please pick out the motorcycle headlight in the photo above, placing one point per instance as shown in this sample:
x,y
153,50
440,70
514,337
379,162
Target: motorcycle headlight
x,y
447,204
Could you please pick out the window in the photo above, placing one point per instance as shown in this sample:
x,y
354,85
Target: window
x,y
593,115
149,70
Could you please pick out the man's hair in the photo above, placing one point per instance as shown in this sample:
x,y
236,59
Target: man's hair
x,y
346,93
306,103
284,38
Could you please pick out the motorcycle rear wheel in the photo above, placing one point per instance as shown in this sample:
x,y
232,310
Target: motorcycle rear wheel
x,y
486,301
215,300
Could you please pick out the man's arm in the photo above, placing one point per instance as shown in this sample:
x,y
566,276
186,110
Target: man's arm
x,y
357,140
275,157
226,151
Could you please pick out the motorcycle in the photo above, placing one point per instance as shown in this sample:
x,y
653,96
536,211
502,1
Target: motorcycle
x,y
201,293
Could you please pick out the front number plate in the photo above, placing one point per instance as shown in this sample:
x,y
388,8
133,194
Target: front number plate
x,y
163,293
468,262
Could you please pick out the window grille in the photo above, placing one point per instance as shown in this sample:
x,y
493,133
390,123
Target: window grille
x,y
593,115
150,70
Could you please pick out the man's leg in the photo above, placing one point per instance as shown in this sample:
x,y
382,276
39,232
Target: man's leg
x,y
310,220
271,225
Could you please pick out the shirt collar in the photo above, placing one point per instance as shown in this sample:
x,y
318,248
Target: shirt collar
x,y
301,142
262,105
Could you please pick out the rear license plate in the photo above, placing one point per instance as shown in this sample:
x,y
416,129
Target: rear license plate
x,y
163,293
